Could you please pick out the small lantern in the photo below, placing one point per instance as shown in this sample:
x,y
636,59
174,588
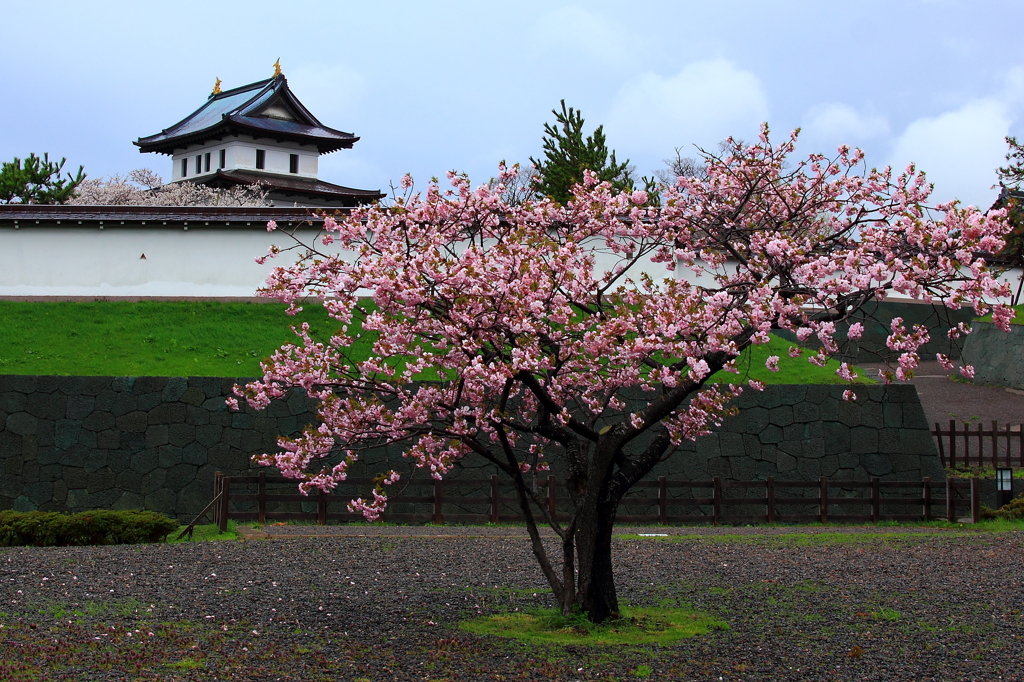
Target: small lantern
x,y
1004,485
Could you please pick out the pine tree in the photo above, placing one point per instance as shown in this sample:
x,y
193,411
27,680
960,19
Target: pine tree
x,y
38,181
567,154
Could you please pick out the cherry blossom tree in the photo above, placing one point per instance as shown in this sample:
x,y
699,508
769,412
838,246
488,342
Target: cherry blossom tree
x,y
584,334
143,187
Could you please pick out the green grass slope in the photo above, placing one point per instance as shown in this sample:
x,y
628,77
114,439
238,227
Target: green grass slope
x,y
211,338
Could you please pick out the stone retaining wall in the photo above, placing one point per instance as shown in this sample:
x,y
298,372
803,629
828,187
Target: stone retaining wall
x,y
998,357
79,443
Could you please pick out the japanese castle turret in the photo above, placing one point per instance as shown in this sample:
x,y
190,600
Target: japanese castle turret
x,y
258,133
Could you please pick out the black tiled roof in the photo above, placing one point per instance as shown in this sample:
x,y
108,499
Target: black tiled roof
x,y
29,214
291,184
242,110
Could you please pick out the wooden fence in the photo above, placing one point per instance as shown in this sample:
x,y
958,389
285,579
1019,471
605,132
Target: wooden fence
x,y
980,446
936,500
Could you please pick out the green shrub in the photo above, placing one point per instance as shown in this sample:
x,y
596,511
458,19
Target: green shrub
x,y
100,527
1014,509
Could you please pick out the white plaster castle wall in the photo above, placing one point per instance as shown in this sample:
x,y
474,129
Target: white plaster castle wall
x,y
241,155
87,261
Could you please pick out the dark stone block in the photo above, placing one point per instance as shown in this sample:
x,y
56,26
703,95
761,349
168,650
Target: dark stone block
x,y
193,395
98,421
850,413
805,412
889,441
49,384
13,402
94,461
213,405
130,500
719,466
181,435
174,389
46,406
45,433
87,439
148,401
892,415
66,433
771,434
808,469
266,425
21,383
913,416
252,442
752,446
226,458
288,426
278,409
101,479
30,447
707,446
742,468
785,462
792,447
232,437
814,447
732,444
829,465
816,394
781,416
791,394
221,418
920,443
762,470
153,481
105,401
871,414
299,403
60,497
123,404
51,473
169,456
208,434
22,423
197,416
144,385
39,492
162,501
193,498
108,440
211,387
828,410
903,464
103,499
74,477
10,444
864,440
180,476
876,464
168,413
79,406
144,462
133,442
122,384
195,453
156,436
848,460
243,421
133,422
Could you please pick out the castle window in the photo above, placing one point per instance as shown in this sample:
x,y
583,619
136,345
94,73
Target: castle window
x,y
199,164
184,168
206,162
293,163
261,159
223,158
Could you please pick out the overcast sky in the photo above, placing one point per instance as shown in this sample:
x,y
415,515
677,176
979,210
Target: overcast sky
x,y
433,86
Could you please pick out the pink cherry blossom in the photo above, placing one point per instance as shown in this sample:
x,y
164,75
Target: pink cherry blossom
x,y
511,332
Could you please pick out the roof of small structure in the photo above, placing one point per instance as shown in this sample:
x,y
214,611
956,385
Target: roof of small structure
x,y
266,109
292,185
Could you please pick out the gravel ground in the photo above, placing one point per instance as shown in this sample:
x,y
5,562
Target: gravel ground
x,y
802,604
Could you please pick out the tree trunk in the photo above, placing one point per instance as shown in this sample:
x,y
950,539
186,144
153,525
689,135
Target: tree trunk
x,y
595,591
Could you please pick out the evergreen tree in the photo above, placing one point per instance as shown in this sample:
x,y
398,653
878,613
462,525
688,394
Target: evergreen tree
x,y
37,181
567,154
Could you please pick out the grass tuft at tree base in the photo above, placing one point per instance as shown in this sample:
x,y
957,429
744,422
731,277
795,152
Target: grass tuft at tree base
x,y
637,626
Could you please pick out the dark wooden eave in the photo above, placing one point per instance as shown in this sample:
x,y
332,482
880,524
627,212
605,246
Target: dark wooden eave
x,y
42,215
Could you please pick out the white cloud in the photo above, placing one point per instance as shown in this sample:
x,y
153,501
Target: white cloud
x,y
827,126
704,103
573,30
959,150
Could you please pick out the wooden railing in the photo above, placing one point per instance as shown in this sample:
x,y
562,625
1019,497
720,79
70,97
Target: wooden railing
x,y
935,499
980,446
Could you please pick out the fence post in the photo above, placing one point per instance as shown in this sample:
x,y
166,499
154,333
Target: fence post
x,y
1020,443
438,496
216,491
225,490
823,500
981,447
771,499
876,500
952,443
552,509
662,501
494,498
717,494
321,507
261,498
975,499
995,444
950,504
927,498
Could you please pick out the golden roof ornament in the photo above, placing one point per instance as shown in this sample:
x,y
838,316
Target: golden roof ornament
x,y
216,87
277,67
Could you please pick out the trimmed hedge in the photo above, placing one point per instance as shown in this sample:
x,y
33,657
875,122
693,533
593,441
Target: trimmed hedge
x,y
101,527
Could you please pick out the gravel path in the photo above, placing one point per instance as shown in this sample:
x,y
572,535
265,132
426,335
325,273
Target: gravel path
x,y
833,604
